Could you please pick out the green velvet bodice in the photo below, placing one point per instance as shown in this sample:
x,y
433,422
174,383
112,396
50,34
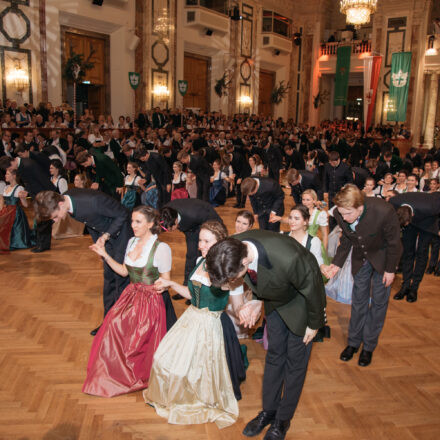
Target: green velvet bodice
x,y
214,298
147,274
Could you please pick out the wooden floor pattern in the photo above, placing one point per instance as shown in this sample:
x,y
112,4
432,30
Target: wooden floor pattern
x,y
49,302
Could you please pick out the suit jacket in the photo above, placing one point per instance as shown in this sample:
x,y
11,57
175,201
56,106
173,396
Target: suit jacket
x,y
274,159
360,176
426,209
34,177
376,238
107,174
269,197
309,180
336,177
289,280
193,213
199,166
157,167
100,213
42,160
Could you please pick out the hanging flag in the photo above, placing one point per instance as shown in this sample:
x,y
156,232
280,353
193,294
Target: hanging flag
x,y
371,81
399,86
342,73
135,79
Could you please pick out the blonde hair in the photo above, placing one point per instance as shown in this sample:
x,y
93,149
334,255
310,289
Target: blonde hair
x,y
350,196
311,193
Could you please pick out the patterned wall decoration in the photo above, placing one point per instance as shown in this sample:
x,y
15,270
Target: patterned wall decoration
x,y
246,52
161,46
15,27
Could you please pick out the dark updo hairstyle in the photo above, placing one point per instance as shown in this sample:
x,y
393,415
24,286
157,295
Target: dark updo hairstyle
x,y
303,210
168,217
151,215
216,228
56,163
247,215
224,261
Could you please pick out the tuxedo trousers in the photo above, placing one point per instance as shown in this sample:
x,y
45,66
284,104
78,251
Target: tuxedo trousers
x,y
114,284
44,234
192,251
285,369
203,186
415,243
263,222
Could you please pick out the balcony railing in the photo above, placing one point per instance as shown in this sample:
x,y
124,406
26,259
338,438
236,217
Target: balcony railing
x,y
357,47
215,5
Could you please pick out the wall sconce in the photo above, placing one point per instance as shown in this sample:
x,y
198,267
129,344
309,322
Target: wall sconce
x,y
431,49
161,92
245,100
18,77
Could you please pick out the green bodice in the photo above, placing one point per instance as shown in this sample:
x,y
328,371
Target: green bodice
x,y
147,274
314,226
12,199
214,298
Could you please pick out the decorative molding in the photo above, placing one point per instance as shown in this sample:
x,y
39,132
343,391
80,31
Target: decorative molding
x,y
13,9
43,50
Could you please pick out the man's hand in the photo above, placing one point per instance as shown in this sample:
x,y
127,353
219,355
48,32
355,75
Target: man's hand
x,y
310,334
329,271
273,218
94,185
22,194
101,240
388,279
250,312
169,187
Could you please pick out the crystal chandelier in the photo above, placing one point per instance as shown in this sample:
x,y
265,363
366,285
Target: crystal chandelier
x,y
358,11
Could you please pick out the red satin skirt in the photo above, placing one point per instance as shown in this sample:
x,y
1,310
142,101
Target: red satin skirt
x,y
122,350
7,218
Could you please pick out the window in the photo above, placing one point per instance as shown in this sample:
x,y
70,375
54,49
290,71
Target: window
x,y
215,5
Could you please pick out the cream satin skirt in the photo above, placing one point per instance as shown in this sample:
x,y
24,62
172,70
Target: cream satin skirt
x,y
190,381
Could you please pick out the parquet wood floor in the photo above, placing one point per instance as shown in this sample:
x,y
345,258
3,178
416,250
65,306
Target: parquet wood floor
x,y
49,302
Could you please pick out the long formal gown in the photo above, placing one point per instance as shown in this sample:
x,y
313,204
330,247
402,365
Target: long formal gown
x,y
15,234
122,351
191,379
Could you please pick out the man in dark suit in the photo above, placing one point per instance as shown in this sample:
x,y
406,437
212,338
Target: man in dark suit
x,y
107,221
202,170
267,200
116,148
284,276
241,170
273,160
360,175
371,228
299,181
293,157
35,179
7,146
418,214
153,164
40,157
105,174
158,118
336,175
188,215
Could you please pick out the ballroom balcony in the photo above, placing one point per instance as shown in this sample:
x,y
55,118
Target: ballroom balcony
x,y
357,47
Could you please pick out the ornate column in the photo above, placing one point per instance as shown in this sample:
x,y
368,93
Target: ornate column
x,y
43,50
432,107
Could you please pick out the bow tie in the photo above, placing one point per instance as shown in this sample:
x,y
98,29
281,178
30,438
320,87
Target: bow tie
x,y
253,276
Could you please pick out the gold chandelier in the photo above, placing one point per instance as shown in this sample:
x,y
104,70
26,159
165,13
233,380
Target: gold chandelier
x,y
358,11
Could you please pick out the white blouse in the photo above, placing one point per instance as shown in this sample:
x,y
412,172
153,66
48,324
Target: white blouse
x,y
162,257
129,181
322,219
61,184
315,248
8,190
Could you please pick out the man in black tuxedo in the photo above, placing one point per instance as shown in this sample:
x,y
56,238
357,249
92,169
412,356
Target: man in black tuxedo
x,y
293,157
299,181
202,170
360,175
153,164
107,221
29,142
188,215
35,179
273,160
7,146
285,277
336,175
116,148
267,200
241,170
158,118
418,214
40,157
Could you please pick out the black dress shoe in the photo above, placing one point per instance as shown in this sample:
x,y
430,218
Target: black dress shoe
x,y
430,270
94,331
412,296
177,296
348,353
437,272
365,358
401,293
37,250
255,426
277,430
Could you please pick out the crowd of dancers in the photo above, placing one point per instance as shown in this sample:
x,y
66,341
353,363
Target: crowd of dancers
x,y
360,212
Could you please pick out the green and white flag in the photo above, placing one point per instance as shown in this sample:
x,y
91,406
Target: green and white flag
x,y
135,79
399,86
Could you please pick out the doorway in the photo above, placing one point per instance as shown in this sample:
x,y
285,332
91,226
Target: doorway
x,y
94,91
267,82
196,70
